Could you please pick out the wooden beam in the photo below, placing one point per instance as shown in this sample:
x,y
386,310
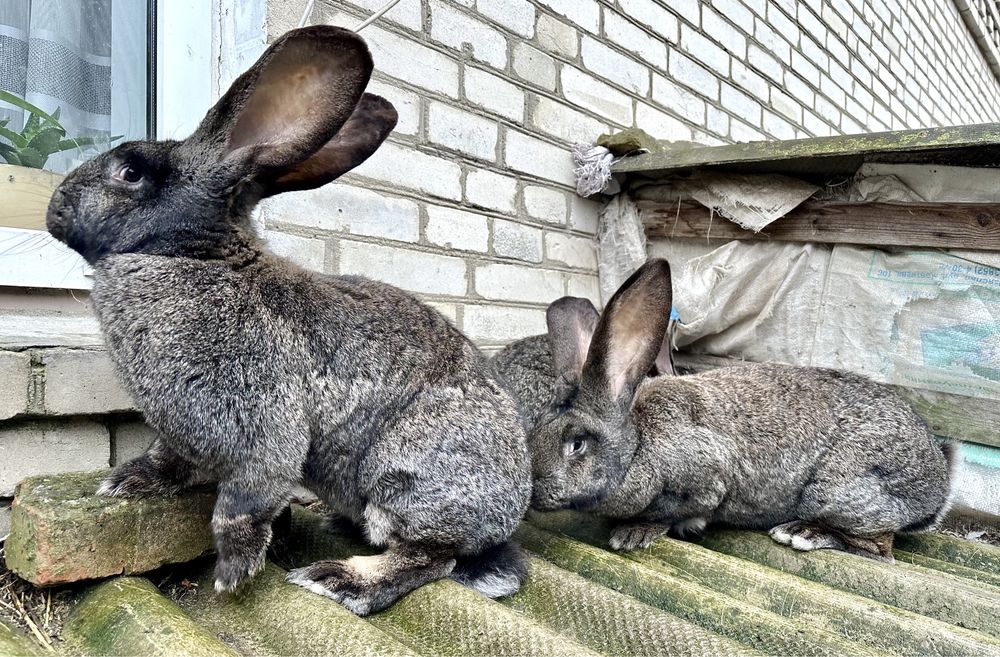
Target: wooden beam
x,y
936,225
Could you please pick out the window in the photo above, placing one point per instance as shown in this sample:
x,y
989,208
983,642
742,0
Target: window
x,y
89,75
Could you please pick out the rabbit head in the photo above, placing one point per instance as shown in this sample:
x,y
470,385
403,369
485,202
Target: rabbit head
x,y
297,119
582,445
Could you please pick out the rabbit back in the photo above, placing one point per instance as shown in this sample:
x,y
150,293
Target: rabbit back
x,y
789,442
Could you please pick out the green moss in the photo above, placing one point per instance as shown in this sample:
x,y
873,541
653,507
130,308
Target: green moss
x,y
863,620
15,644
129,616
760,629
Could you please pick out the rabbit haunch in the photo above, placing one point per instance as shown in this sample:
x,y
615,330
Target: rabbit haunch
x,y
260,375
825,459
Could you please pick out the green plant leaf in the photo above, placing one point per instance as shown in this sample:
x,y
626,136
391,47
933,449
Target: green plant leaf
x,y
17,140
31,127
12,158
31,158
46,141
21,103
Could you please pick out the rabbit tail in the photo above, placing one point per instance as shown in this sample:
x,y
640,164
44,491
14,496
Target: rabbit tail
x,y
495,572
951,457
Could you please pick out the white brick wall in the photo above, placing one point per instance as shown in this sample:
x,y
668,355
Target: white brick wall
x,y
470,204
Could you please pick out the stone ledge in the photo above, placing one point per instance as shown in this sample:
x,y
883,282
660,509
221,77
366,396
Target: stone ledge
x,y
62,532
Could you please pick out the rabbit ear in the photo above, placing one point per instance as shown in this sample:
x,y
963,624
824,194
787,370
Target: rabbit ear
x,y
664,363
290,103
571,322
372,121
630,334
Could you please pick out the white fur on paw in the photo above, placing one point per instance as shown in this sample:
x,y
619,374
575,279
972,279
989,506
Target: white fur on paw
x,y
804,544
781,535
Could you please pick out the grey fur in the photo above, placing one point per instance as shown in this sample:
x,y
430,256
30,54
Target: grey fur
x,y
264,375
753,446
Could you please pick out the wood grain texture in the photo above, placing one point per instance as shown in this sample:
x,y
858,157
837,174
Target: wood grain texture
x,y
25,193
936,225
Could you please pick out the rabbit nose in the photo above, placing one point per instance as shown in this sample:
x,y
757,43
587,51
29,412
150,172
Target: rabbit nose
x,y
59,216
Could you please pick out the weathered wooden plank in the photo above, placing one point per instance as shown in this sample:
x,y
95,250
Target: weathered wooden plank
x,y
26,193
970,145
934,225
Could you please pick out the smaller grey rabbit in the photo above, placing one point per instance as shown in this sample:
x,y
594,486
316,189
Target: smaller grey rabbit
x,y
825,459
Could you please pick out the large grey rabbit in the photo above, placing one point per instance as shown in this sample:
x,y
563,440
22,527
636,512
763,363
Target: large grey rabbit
x,y
263,375
825,459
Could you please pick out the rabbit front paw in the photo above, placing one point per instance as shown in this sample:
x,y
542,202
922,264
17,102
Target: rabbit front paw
x,y
636,536
136,479
231,570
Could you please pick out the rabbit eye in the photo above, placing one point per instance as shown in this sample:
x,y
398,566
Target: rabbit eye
x,y
129,174
576,447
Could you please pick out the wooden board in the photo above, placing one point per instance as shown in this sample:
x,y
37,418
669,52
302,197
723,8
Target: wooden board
x,y
936,225
25,195
970,419
969,145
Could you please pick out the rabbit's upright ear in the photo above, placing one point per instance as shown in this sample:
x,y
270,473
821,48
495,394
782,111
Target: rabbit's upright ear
x,y
571,322
299,116
630,334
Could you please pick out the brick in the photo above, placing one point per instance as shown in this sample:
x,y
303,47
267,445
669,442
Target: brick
x,y
651,50
559,120
415,271
740,104
538,158
457,229
756,85
614,66
660,124
502,324
62,532
583,214
413,169
652,15
491,190
735,11
81,381
407,106
503,282
777,126
514,240
458,30
557,37
693,75
765,63
678,99
584,13
303,251
588,287
725,33
578,252
741,132
589,93
546,204
130,441
516,15
786,105
536,67
39,446
494,94
15,377
346,208
407,14
717,121
4,519
403,58
705,51
462,131
449,310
